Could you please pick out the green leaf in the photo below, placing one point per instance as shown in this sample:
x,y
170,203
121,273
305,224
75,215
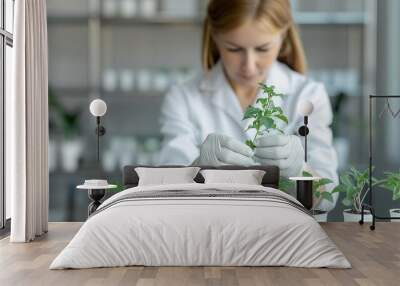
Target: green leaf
x,y
327,196
282,117
251,112
307,174
285,184
324,181
268,123
250,144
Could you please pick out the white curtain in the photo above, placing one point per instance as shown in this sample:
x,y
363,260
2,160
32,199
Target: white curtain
x,y
27,123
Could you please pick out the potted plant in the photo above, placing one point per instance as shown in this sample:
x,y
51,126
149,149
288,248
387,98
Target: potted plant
x,y
321,216
355,185
392,183
67,123
340,143
266,116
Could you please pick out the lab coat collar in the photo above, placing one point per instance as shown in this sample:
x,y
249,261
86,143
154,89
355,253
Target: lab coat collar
x,y
277,76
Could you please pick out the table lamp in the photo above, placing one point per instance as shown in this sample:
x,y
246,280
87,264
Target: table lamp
x,y
98,108
304,185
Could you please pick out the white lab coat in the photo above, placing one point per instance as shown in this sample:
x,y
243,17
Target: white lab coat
x,y
207,104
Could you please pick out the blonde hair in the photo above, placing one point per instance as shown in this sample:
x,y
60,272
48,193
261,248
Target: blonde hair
x,y
226,15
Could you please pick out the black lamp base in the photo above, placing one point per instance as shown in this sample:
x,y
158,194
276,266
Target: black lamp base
x,y
95,196
304,189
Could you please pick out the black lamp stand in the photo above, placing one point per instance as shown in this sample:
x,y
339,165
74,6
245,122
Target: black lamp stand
x,y
96,195
304,188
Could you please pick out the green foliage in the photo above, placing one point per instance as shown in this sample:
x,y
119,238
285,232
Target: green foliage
x,y
392,183
266,115
119,187
317,184
352,184
61,118
285,185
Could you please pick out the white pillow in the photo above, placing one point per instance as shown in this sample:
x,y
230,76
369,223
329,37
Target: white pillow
x,y
248,177
163,176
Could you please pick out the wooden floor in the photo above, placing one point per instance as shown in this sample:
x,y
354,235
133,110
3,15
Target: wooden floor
x,y
374,255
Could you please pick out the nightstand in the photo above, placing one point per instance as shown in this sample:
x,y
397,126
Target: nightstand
x,y
96,190
304,190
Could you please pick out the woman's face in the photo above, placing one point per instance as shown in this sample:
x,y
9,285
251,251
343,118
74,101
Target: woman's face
x,y
248,52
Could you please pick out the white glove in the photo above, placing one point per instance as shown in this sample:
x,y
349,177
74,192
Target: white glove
x,y
284,151
218,149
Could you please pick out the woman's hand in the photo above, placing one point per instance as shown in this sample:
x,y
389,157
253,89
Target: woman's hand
x,y
218,149
284,151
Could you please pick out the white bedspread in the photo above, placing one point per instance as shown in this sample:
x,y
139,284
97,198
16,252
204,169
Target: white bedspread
x,y
200,231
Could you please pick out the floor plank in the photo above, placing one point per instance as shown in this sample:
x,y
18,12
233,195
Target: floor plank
x,y
374,255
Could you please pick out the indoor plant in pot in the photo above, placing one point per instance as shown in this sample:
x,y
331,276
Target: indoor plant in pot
x,y
67,122
355,185
392,183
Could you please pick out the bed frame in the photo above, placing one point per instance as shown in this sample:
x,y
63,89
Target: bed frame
x,y
130,178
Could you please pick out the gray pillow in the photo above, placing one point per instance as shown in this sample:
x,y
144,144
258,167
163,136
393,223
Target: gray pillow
x,y
248,177
164,176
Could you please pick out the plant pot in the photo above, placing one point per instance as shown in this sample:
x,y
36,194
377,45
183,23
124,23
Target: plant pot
x,y
349,216
320,216
395,213
71,151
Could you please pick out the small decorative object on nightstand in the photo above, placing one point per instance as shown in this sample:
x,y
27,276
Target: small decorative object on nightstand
x,y
96,191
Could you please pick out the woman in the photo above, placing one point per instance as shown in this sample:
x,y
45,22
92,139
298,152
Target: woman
x,y
246,42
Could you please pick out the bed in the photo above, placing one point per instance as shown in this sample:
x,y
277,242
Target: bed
x,y
198,224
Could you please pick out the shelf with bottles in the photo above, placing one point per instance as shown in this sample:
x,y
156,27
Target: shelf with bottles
x,y
338,80
300,18
69,158
331,18
153,84
190,12
84,93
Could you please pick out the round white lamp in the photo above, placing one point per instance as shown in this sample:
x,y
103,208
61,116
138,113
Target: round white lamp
x,y
98,108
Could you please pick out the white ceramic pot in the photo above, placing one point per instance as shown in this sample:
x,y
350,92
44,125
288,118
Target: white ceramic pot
x,y
395,213
320,216
355,217
71,151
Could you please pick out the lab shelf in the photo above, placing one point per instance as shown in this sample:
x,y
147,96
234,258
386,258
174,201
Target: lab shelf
x,y
301,18
84,92
331,18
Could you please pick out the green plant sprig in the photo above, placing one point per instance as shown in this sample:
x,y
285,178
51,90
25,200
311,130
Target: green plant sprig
x,y
266,116
392,183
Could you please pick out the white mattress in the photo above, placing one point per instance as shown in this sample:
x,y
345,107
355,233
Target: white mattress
x,y
183,231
